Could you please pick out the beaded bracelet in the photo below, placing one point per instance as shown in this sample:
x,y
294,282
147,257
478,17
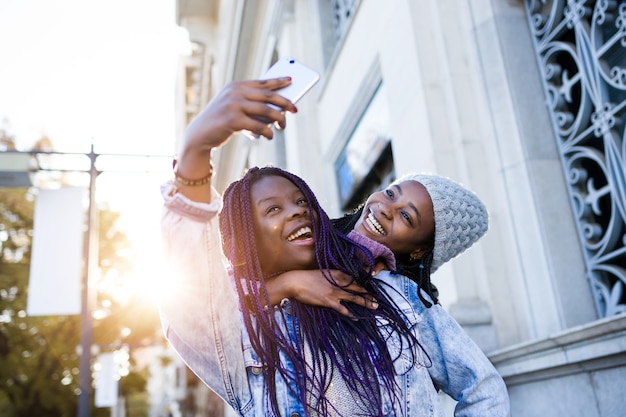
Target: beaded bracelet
x,y
192,183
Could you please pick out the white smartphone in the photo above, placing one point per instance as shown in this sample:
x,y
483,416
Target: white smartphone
x,y
303,79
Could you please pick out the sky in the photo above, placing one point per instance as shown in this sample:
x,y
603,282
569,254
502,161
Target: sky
x,y
86,72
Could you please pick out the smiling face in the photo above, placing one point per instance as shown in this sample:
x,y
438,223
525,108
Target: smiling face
x,y
400,217
282,225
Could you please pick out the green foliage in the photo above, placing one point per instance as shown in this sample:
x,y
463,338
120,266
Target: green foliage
x,y
134,383
39,360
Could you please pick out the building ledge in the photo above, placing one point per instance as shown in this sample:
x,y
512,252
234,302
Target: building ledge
x,y
590,347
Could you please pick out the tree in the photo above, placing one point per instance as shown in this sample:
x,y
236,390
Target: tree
x,y
7,141
38,355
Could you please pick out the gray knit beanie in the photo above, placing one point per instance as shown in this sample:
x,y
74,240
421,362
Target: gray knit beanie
x,y
460,217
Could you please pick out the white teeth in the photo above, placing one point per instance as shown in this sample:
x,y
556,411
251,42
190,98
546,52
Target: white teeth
x,y
299,233
374,225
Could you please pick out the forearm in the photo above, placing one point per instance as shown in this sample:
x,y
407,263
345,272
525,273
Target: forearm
x,y
193,170
279,287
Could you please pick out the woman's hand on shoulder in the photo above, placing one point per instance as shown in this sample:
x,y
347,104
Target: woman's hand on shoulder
x,y
311,287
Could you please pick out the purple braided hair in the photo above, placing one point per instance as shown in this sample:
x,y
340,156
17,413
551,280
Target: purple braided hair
x,y
356,349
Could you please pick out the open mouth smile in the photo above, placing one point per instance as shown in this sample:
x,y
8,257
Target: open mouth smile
x,y
374,225
301,234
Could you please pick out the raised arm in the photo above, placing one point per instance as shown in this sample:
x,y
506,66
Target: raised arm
x,y
241,105
199,311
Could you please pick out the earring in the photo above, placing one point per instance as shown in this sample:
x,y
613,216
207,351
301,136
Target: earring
x,y
414,257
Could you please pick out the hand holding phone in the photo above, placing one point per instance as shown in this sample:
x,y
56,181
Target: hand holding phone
x,y
303,79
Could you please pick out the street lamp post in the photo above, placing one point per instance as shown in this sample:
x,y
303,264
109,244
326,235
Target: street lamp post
x,y
88,294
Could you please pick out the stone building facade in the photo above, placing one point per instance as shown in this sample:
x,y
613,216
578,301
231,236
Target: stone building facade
x,y
523,101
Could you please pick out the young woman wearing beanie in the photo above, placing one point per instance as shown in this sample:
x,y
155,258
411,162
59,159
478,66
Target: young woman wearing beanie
x,y
451,220
423,220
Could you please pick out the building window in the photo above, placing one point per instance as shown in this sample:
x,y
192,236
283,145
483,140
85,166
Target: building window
x,y
197,81
366,162
335,19
581,50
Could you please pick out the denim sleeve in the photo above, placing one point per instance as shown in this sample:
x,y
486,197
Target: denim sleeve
x,y
460,368
199,310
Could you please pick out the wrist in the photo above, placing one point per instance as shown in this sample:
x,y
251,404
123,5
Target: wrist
x,y
193,166
279,288
192,181
289,285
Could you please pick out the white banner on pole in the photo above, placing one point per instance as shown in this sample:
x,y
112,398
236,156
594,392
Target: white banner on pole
x,y
57,252
106,382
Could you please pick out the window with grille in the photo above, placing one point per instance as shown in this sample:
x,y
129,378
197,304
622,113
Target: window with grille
x,y
581,51
335,19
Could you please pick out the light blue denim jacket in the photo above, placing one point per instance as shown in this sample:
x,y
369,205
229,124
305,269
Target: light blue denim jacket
x,y
201,320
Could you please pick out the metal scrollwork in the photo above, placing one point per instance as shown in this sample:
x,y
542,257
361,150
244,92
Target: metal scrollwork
x,y
581,50
343,10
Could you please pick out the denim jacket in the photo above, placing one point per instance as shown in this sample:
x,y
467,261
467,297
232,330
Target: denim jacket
x,y
201,320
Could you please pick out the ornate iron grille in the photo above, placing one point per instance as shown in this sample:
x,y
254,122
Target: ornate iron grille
x,y
343,10
581,49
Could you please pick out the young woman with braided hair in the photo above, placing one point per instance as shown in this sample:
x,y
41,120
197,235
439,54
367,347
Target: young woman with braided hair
x,y
427,220
272,364
335,365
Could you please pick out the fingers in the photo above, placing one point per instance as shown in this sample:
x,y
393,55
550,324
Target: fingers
x,y
261,102
351,292
366,301
378,266
265,91
265,114
279,126
341,309
344,280
354,299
